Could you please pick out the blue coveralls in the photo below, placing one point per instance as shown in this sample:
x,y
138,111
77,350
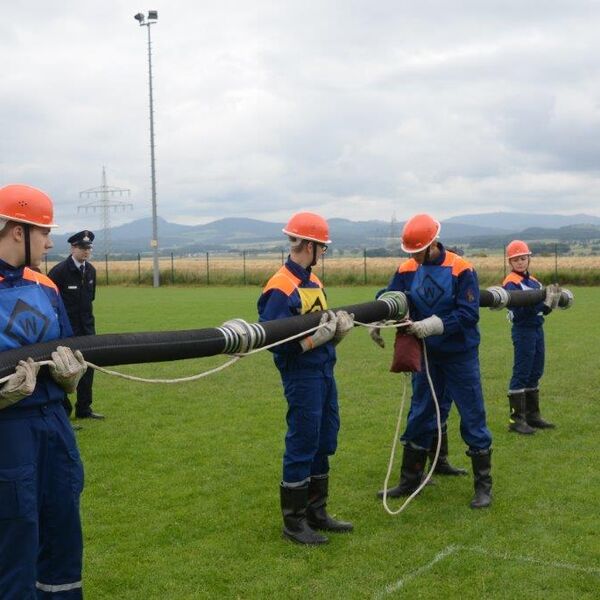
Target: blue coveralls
x,y
527,336
41,475
448,288
308,382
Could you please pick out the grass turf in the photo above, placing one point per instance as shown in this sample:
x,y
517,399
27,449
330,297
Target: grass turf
x,y
181,497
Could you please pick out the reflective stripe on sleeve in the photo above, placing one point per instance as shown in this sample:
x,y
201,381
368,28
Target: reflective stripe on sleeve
x,y
63,587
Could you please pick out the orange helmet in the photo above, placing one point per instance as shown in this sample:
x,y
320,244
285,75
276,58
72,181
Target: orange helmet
x,y
308,226
26,204
517,248
419,233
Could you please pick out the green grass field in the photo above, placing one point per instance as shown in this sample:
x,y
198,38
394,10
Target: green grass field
x,y
181,498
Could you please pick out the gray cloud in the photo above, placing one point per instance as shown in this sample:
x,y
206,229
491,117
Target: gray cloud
x,y
354,109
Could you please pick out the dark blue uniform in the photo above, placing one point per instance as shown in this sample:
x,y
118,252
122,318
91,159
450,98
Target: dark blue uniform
x,y
308,380
448,288
78,290
41,475
527,336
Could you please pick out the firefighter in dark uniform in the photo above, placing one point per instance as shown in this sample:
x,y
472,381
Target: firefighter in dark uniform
x,y
75,278
528,342
443,295
306,368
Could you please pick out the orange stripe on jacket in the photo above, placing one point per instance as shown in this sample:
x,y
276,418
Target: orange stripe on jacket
x,y
516,278
287,282
30,275
457,263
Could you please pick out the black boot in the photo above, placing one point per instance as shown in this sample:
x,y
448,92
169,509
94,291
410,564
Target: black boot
x,y
443,466
532,404
517,421
295,526
316,513
482,469
411,472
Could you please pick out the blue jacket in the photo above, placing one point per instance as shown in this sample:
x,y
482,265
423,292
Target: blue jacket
x,y
293,291
525,316
31,311
448,288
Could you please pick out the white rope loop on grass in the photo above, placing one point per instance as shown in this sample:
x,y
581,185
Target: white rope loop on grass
x,y
426,479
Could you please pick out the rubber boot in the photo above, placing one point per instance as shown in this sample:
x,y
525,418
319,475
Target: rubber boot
x,y
411,472
482,477
517,421
534,418
295,526
316,513
443,466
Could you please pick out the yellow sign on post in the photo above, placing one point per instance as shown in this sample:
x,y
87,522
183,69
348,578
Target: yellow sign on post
x,y
153,243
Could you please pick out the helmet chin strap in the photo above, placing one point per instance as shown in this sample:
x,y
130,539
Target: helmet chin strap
x,y
314,258
26,230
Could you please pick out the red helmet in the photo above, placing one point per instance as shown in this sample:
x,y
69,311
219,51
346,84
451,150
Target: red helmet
x,y
26,204
517,248
419,233
308,226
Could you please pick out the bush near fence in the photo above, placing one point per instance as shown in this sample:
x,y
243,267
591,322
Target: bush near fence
x,y
237,270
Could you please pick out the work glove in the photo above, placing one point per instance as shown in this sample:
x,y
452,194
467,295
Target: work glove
x,y
375,333
553,292
345,324
322,335
430,326
20,384
67,368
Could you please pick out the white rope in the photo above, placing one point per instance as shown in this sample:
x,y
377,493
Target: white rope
x,y
396,437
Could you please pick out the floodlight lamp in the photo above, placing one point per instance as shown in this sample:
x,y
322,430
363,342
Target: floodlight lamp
x,y
153,14
139,17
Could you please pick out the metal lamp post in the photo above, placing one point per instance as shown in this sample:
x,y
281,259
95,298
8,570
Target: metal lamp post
x,y
146,21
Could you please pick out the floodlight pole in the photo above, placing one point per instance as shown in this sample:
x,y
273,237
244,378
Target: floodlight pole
x,y
147,22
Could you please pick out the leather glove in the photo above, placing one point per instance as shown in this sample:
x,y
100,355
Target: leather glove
x,y
553,292
430,326
322,335
67,368
20,384
345,324
375,333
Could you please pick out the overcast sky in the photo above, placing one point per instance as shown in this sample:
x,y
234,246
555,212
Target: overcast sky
x,y
352,108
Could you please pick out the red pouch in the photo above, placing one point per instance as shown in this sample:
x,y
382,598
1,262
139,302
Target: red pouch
x,y
407,353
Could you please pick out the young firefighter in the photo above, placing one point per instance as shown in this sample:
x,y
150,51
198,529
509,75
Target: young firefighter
x,y
528,343
443,296
306,369
41,475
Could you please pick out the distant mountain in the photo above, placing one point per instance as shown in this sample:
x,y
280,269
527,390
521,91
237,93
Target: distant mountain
x,y
232,233
511,221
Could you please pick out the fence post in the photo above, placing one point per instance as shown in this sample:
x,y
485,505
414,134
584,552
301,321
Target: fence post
x,y
172,270
365,264
139,269
207,270
555,263
504,260
244,264
282,258
106,267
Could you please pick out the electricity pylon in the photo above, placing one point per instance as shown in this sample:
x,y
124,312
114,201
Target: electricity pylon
x,y
103,201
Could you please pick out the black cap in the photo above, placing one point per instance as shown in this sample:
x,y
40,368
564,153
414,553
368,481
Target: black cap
x,y
83,239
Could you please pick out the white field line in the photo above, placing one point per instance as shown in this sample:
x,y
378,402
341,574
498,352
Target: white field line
x,y
394,587
529,559
449,550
